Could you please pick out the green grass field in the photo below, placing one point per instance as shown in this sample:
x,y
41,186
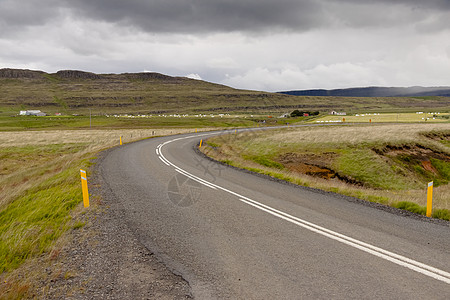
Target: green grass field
x,y
389,164
432,117
20,123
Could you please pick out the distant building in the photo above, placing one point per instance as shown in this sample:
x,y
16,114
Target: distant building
x,y
336,113
32,113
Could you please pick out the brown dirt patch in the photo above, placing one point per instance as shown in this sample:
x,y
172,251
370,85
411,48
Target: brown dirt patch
x,y
417,152
312,164
426,164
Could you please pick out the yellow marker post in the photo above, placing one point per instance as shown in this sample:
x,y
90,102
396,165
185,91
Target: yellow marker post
x,y
429,199
200,143
235,131
84,187
195,130
120,140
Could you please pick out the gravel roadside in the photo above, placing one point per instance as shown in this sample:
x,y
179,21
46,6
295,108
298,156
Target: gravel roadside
x,y
104,259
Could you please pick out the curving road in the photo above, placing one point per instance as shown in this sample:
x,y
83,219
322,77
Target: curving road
x,y
234,235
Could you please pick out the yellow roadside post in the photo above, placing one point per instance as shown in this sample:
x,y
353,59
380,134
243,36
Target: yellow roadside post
x,y
429,199
195,130
200,143
120,140
84,187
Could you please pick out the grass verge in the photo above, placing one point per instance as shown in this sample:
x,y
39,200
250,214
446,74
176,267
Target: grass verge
x,y
387,164
40,197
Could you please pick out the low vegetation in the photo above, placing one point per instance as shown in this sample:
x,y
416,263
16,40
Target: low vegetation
x,y
24,123
400,117
389,164
40,194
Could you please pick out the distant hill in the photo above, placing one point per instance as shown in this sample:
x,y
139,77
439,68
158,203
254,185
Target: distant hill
x,y
415,91
73,91
79,92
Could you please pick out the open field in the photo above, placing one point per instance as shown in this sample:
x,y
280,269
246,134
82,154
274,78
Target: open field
x,y
417,117
24,123
40,194
389,164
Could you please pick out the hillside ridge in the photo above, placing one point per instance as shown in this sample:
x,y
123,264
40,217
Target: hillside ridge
x,y
375,91
77,74
80,92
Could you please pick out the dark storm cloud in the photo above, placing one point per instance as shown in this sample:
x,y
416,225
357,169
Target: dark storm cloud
x,y
194,16
205,16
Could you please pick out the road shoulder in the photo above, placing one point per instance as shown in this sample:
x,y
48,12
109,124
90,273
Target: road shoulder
x,y
104,259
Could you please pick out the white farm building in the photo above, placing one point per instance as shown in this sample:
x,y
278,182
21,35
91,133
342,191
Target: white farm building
x,y
336,113
32,113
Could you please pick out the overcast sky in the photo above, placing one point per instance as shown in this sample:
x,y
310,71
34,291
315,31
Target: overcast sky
x,y
269,45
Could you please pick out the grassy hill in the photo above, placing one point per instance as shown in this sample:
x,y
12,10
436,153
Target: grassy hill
x,y
72,92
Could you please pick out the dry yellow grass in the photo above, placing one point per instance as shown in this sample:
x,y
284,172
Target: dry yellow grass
x,y
24,174
96,138
357,134
389,118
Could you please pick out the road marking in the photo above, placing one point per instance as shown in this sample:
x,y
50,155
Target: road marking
x,y
368,248
387,255
163,160
199,180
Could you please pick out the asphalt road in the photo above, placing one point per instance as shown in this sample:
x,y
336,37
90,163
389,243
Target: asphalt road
x,y
234,235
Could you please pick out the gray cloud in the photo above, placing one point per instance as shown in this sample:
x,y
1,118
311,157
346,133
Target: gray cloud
x,y
202,16
210,16
205,15
17,16
262,44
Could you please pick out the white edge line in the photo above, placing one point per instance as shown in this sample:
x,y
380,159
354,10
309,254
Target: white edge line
x,y
203,183
387,255
163,160
211,185
355,245
352,240
397,256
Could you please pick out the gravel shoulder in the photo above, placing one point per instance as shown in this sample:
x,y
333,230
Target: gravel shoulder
x,y
104,259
